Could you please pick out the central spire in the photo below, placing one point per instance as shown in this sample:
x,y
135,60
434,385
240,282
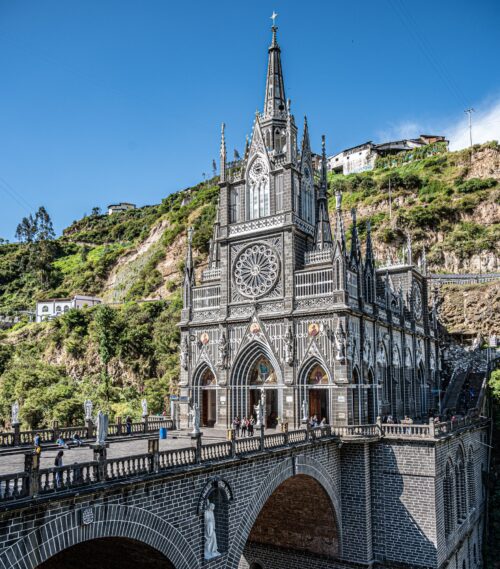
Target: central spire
x,y
275,101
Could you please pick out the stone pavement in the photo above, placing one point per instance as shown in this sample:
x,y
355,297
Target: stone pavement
x,y
176,439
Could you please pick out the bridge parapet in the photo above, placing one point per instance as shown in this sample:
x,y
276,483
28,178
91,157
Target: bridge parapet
x,y
35,482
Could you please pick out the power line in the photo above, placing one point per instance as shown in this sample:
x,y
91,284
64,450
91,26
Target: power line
x,y
16,196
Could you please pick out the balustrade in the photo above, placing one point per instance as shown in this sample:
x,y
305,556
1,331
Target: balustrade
x,y
42,481
314,283
216,451
206,297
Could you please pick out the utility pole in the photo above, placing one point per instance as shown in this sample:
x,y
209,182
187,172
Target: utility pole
x,y
390,200
469,112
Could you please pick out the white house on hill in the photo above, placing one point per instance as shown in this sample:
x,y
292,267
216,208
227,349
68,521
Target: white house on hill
x,y
54,307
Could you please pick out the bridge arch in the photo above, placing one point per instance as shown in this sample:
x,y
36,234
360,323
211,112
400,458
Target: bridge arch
x,y
290,469
65,531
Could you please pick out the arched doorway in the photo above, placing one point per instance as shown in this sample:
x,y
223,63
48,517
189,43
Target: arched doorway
x,y
297,521
262,382
109,552
314,384
256,373
209,398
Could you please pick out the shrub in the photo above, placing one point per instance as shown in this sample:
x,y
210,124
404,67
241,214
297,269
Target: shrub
x,y
475,185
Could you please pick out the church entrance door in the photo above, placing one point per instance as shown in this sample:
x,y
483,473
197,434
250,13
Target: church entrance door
x,y
209,407
318,404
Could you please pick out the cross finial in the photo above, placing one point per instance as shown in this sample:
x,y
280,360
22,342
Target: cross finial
x,y
273,18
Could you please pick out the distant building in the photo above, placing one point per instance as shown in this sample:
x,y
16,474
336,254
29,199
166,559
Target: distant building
x,y
54,307
362,157
118,207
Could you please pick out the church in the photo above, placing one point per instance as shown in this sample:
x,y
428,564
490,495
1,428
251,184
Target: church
x,y
292,312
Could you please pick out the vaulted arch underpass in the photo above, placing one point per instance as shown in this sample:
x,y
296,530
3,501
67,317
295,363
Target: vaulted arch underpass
x,y
110,552
297,521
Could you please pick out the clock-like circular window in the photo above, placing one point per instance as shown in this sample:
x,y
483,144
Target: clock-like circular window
x,y
256,270
417,301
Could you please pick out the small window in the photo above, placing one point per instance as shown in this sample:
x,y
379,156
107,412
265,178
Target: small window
x,y
58,309
66,308
45,309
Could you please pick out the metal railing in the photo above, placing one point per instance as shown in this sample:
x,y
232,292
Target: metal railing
x,y
314,283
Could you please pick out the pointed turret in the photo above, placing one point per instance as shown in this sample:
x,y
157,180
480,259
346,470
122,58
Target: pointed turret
x,y
355,257
409,254
214,251
223,154
189,277
369,246
323,237
289,133
275,101
339,223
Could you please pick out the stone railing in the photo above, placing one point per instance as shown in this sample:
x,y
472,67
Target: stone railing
x,y
442,279
19,438
36,482
211,274
318,256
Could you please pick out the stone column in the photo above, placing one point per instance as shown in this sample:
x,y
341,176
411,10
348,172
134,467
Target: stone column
x,y
55,430
153,450
31,467
119,425
17,434
100,455
89,426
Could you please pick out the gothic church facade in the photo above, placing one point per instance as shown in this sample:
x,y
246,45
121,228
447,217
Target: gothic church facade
x,y
289,311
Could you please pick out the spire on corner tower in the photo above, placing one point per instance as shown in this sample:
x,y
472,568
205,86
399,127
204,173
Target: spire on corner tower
x,y
339,223
323,237
214,248
223,154
275,101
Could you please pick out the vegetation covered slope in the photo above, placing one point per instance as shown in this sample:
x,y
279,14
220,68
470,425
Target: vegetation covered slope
x,y
447,203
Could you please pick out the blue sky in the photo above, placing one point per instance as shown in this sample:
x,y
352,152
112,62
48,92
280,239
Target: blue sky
x,y
111,100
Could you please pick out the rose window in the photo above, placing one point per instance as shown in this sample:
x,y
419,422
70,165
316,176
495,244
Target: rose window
x,y
256,270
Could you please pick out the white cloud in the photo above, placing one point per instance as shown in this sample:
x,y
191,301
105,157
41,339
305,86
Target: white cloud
x,y
485,126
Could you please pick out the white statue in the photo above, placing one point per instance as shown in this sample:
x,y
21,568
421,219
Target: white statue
x,y
288,347
15,413
381,357
304,411
432,361
340,343
144,405
223,352
408,363
87,406
184,354
211,550
259,412
101,428
194,413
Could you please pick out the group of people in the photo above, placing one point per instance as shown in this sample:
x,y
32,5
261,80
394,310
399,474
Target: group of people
x,y
244,426
390,420
314,422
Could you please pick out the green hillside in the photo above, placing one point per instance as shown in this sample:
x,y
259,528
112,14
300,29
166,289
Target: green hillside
x,y
448,202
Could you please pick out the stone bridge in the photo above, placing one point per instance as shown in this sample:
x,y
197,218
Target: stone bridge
x,y
323,498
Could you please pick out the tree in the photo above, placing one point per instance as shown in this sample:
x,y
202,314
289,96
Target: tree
x,y
107,341
26,230
44,230
96,211
236,154
214,167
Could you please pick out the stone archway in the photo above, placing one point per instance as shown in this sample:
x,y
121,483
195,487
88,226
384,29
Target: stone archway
x,y
109,552
205,394
245,392
287,476
65,531
315,382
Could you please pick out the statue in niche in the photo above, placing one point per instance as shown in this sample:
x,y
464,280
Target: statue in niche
x,y
340,343
367,350
408,358
395,355
101,428
211,549
15,413
432,361
144,405
420,352
223,351
184,354
288,347
88,407
381,359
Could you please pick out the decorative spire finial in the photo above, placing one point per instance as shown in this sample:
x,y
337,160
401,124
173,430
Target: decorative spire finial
x,y
338,200
274,28
223,155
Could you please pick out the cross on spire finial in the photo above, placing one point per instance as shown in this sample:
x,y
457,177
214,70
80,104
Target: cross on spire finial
x,y
273,18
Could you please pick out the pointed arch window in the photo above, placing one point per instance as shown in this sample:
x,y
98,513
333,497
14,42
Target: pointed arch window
x,y
258,189
471,480
337,275
448,493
